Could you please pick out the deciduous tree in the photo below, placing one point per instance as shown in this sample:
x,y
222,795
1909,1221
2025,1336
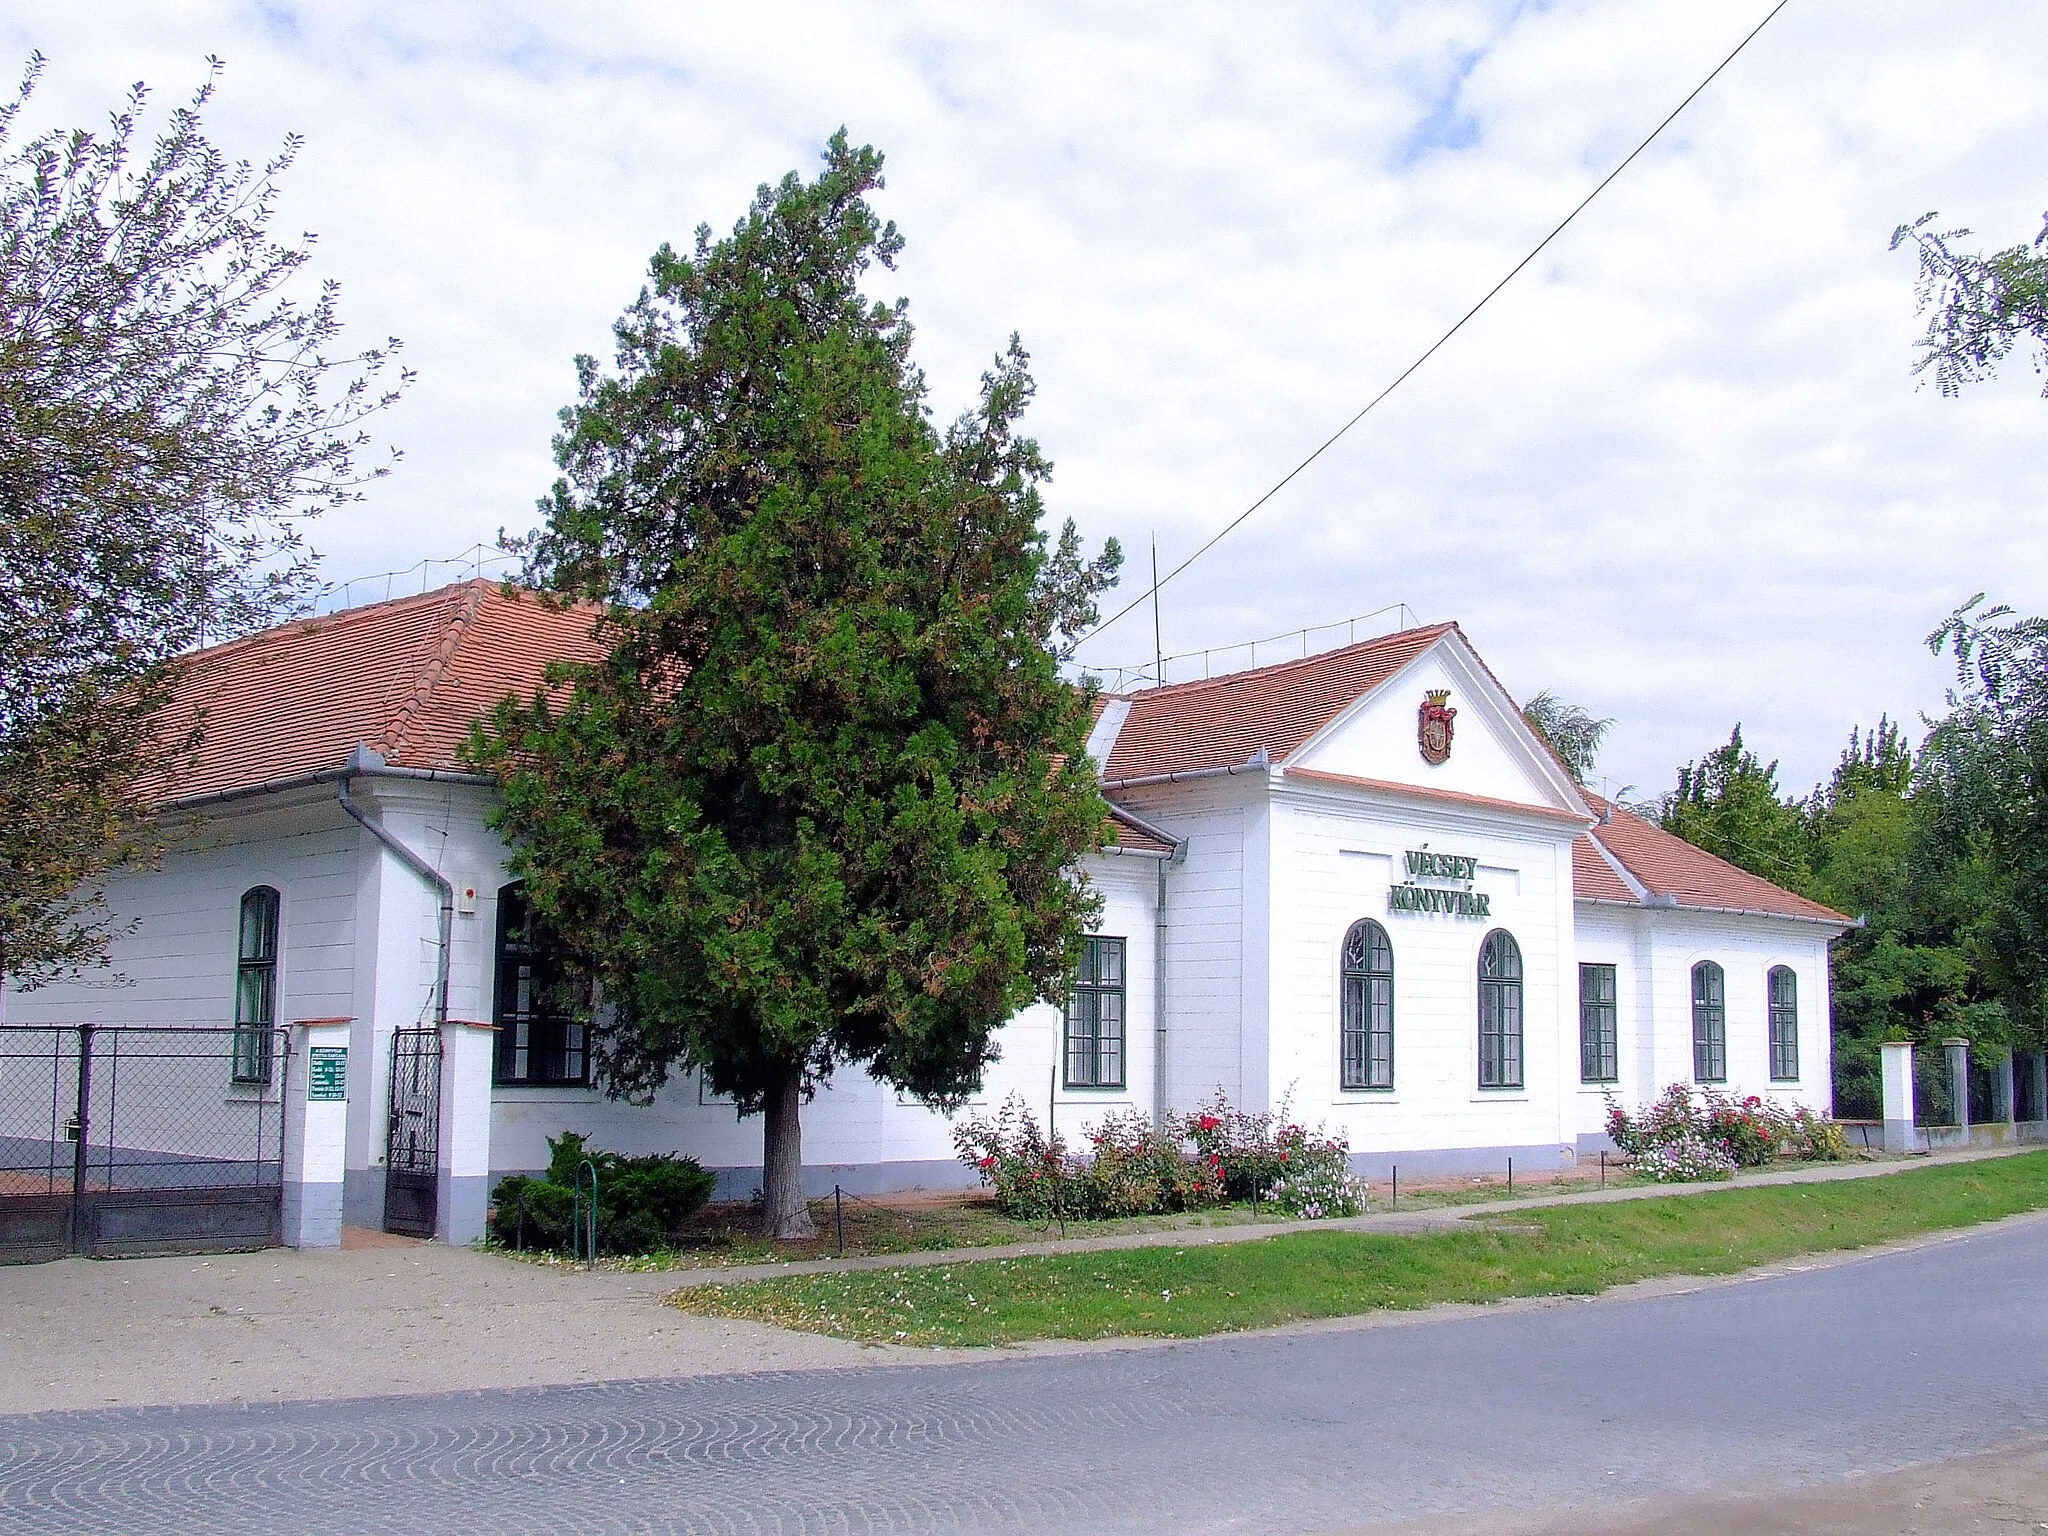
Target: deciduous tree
x,y
169,415
1978,307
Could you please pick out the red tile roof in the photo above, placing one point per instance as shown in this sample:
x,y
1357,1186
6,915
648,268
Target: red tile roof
x,y
1593,878
1670,867
1222,721
406,678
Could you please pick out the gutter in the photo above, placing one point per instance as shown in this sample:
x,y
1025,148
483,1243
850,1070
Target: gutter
x,y
363,763
1673,904
1260,761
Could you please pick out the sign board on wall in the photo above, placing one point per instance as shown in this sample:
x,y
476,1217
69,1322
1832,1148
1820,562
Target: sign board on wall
x,y
1453,900
327,1074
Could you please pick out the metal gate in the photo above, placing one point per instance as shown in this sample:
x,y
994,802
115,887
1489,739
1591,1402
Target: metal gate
x,y
412,1144
123,1139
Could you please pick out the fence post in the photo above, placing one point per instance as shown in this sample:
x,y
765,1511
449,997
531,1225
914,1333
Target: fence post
x,y
82,1129
1958,1052
2004,1102
1899,1135
315,1151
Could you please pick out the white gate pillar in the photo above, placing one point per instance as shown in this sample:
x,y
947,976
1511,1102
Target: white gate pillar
x,y
467,1053
1958,1051
316,1094
1898,1097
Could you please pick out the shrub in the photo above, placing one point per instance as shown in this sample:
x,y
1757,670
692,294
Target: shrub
x,y
1031,1174
1817,1137
642,1202
1752,1131
1685,1159
1304,1174
1135,1170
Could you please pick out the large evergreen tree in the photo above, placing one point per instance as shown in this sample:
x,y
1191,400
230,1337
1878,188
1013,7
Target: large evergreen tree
x,y
823,804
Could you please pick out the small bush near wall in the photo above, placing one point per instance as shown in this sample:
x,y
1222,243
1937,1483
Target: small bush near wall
x,y
1132,1169
642,1202
1689,1134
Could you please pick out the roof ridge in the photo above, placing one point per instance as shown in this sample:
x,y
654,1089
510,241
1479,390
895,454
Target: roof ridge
x,y
1195,684
363,613
461,602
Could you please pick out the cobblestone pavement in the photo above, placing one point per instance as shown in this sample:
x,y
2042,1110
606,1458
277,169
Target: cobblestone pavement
x,y
1800,1378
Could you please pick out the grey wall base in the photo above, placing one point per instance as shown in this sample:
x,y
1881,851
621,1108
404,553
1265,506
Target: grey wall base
x,y
463,1203
312,1215
362,1197
1463,1162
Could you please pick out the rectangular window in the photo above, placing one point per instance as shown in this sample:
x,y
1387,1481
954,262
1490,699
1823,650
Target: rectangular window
x,y
256,986
1709,1023
1500,1034
539,1041
1784,1025
1095,1017
1599,1053
1368,1014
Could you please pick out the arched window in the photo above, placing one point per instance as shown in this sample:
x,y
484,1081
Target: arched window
x,y
1500,1011
256,985
538,1039
1784,1024
1709,1023
1368,1007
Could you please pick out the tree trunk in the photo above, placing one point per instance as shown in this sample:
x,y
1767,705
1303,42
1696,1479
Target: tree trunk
x,y
783,1210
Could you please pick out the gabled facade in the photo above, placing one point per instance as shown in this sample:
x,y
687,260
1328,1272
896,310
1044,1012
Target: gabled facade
x,y
1355,884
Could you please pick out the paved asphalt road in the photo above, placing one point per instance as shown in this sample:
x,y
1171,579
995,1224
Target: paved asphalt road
x,y
1804,1377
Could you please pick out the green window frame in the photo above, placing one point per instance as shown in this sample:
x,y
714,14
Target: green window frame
x,y
1094,1045
1500,1011
256,986
540,1042
1599,1025
1367,1009
1784,1002
1709,1023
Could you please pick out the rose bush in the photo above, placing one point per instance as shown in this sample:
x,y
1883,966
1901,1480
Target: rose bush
x,y
1750,1132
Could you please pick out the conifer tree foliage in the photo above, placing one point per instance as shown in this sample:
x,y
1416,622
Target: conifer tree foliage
x,y
170,412
823,804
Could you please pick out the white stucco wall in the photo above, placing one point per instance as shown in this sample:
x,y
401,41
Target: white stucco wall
x,y
1340,851
857,1131
1653,952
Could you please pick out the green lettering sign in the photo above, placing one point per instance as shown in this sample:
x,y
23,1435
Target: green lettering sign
x,y
327,1074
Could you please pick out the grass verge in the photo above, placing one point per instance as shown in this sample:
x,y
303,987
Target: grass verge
x,y
1559,1251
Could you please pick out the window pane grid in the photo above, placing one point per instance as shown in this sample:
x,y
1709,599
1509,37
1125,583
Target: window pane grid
x,y
1709,1023
1599,1032
1784,1025
255,985
538,1043
1095,1017
1366,1046
1500,1011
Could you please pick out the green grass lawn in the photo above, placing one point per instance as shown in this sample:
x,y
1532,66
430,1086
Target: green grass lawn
x,y
1561,1251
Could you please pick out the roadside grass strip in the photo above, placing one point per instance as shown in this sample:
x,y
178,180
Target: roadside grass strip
x,y
1172,1292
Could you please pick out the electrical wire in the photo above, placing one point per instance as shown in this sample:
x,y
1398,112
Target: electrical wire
x,y
1435,346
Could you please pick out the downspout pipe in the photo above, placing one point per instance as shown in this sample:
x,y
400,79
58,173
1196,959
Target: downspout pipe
x,y
364,763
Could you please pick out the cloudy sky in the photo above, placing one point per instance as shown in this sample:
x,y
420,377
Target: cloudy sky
x,y
1679,471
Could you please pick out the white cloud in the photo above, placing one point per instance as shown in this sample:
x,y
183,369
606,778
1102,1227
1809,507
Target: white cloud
x,y
1678,470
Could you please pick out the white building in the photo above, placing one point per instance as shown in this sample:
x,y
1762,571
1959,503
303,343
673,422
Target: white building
x,y
1355,883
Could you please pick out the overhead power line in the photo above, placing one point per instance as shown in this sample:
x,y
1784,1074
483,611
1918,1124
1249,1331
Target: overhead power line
x,y
1401,378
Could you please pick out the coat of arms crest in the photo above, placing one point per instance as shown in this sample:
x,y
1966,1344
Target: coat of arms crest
x,y
1433,726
